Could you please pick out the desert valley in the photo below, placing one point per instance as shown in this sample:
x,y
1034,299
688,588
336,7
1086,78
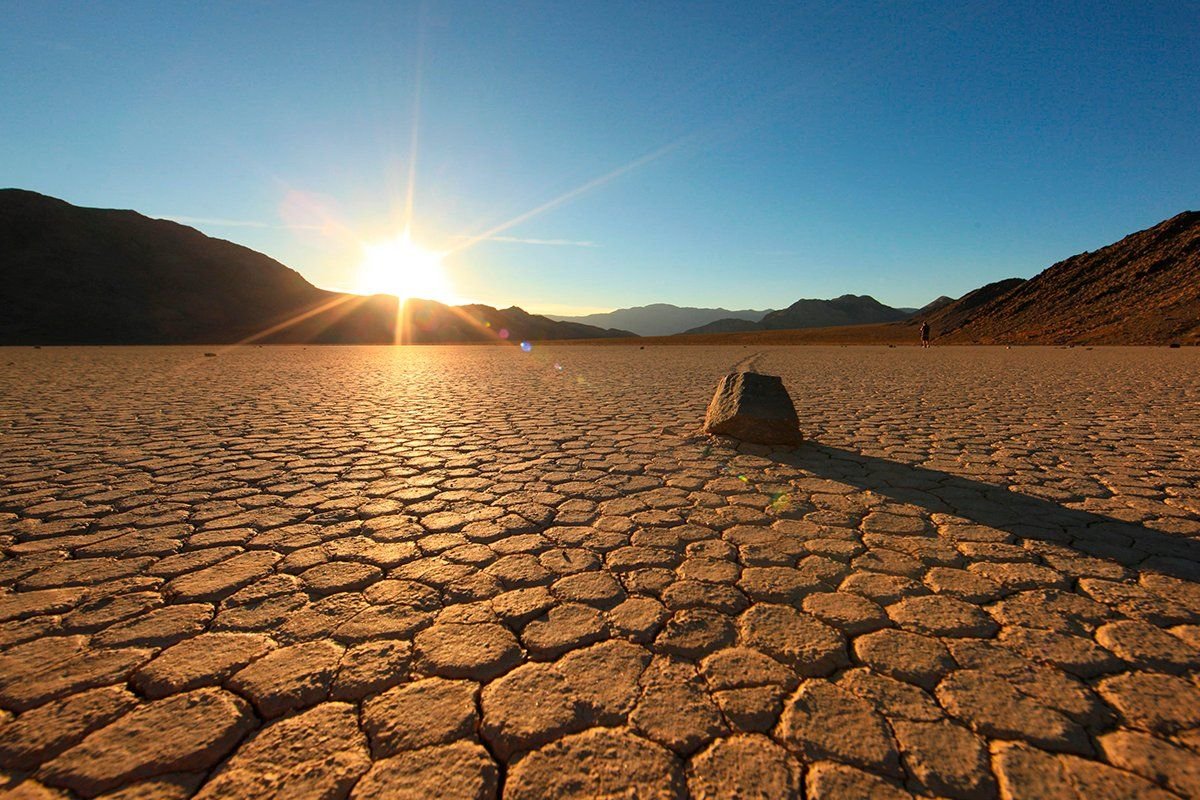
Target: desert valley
x,y
99,276
658,401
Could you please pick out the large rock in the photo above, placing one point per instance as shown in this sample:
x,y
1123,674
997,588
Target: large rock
x,y
754,408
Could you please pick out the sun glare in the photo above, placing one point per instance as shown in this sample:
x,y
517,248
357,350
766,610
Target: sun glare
x,y
399,267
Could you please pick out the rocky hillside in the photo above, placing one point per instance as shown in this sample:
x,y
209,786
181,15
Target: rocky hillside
x,y
1144,289
954,314
933,305
72,275
849,309
662,319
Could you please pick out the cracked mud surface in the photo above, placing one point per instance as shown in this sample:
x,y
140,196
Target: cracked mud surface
x,y
475,572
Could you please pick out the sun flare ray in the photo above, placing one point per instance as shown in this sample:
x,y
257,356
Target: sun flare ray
x,y
295,319
641,161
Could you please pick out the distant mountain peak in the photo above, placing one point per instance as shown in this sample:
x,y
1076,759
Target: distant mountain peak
x,y
848,309
660,319
933,305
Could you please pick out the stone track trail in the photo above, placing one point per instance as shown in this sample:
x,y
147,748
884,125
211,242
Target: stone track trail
x,y
476,572
748,363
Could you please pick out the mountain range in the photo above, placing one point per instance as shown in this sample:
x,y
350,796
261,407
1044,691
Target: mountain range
x,y
661,319
1141,290
849,309
72,275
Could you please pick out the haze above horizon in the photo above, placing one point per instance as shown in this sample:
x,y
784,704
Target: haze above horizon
x,y
570,158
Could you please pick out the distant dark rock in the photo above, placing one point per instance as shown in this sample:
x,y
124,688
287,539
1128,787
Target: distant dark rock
x,y
727,326
661,319
72,275
848,309
754,408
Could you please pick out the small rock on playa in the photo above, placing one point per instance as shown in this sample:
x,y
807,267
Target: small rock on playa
x,y
754,408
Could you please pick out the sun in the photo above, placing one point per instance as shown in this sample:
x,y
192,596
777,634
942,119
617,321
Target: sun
x,y
399,267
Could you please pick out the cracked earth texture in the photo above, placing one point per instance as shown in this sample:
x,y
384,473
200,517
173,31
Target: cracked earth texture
x,y
477,572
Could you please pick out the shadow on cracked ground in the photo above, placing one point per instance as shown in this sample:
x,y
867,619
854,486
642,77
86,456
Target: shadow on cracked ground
x,y
1024,516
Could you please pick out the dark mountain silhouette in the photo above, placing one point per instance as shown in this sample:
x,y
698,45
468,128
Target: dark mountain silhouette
x,y
727,326
72,275
849,309
425,321
661,319
1144,289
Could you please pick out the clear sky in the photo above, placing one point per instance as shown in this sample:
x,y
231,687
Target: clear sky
x,y
590,155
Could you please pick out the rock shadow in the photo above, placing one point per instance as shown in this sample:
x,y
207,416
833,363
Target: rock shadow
x,y
1130,544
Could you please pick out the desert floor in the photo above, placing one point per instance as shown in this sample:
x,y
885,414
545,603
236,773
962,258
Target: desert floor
x,y
476,571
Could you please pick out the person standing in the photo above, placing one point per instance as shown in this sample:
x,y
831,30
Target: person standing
x,y
924,334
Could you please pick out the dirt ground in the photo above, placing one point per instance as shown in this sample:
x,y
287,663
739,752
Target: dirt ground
x,y
478,572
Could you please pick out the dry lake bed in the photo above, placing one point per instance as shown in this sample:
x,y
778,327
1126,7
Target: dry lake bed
x,y
475,572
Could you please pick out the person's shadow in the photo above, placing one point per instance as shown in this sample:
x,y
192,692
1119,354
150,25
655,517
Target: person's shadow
x,y
1129,544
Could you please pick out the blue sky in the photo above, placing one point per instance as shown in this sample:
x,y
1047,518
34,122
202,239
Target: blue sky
x,y
732,154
